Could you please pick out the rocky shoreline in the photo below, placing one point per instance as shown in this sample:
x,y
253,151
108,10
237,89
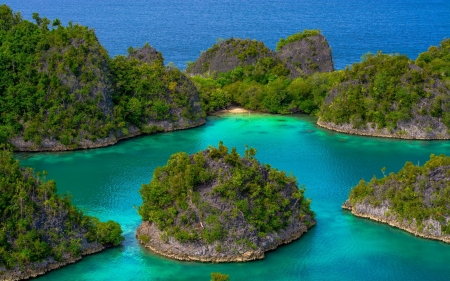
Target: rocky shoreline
x,y
407,133
431,229
40,268
52,145
196,251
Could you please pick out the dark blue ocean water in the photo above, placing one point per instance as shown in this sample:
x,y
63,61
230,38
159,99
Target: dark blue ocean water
x,y
181,29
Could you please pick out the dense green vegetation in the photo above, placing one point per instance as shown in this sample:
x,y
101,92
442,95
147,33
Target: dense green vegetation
x,y
269,91
180,198
36,223
58,83
383,90
263,83
51,80
297,37
415,192
436,61
146,91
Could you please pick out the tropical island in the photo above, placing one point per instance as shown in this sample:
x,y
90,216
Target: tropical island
x,y
39,230
216,206
416,199
59,89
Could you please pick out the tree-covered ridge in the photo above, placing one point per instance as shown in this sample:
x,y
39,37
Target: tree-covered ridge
x,y
394,92
205,196
60,90
54,81
147,92
297,37
415,193
36,224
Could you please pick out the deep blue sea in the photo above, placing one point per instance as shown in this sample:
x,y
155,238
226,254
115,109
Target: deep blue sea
x,y
181,29
105,182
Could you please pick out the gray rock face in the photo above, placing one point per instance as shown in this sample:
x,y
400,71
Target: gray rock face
x,y
228,55
309,55
306,56
427,186
146,54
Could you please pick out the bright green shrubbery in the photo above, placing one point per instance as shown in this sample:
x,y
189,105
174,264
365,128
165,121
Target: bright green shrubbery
x,y
297,37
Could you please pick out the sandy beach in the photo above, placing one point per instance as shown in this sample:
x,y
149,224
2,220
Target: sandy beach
x,y
232,110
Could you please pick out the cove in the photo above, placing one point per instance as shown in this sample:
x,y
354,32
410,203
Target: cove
x,y
105,182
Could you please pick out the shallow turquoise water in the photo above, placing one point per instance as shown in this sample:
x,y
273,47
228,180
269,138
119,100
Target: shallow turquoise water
x,y
105,182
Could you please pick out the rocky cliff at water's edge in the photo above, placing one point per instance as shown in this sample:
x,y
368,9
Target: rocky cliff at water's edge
x,y
214,206
416,199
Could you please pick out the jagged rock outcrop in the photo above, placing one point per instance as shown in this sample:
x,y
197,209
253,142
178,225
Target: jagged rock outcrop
x,y
214,206
416,199
307,56
229,54
146,54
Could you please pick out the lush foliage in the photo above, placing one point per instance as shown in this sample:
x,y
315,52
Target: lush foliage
x,y
51,80
273,93
36,223
436,61
147,91
180,197
58,83
296,37
383,90
415,192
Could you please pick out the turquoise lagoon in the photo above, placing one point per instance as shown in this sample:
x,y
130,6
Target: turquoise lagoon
x,y
105,183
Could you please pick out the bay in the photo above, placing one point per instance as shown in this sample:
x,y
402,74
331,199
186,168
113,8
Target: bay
x,y
105,182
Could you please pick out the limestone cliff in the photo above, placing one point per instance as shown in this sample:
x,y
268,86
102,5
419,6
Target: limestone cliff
x,y
416,199
307,55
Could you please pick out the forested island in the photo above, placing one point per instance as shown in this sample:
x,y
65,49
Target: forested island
x,y
59,89
416,199
393,96
39,230
216,206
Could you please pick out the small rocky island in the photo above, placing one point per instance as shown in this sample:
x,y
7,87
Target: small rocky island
x,y
392,96
416,199
216,206
39,230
